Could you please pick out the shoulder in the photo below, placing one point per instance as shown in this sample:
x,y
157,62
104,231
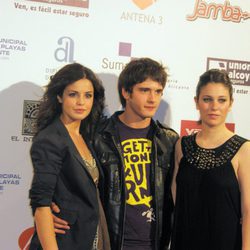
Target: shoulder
x,y
240,145
243,161
49,137
179,144
107,124
168,132
245,148
49,132
242,152
102,122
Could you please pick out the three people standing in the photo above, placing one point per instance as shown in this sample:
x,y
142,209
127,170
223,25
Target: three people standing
x,y
210,183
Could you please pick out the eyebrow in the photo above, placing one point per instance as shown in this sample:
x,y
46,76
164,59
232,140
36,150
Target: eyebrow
x,y
161,89
72,90
216,96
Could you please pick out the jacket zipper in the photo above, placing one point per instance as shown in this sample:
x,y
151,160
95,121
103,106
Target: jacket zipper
x,y
118,147
155,161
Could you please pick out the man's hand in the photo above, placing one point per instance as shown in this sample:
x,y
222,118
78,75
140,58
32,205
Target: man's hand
x,y
59,225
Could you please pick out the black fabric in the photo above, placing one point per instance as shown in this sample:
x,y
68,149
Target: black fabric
x,y
109,152
208,209
61,176
140,215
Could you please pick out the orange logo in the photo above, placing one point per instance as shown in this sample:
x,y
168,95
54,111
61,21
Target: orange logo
x,y
143,4
24,238
214,10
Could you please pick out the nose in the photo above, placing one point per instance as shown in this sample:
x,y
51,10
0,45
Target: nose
x,y
215,105
80,100
152,96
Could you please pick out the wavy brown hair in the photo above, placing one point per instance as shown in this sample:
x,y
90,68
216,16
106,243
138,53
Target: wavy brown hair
x,y
50,108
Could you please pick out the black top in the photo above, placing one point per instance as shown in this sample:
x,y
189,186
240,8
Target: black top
x,y
109,152
139,214
61,176
208,210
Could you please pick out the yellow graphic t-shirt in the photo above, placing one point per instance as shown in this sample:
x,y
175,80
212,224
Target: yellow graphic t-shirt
x,y
140,216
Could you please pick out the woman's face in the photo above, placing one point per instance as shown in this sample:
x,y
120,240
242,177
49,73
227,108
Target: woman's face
x,y
77,100
214,103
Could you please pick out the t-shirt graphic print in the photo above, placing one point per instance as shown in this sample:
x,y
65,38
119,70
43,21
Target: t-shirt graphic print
x,y
140,216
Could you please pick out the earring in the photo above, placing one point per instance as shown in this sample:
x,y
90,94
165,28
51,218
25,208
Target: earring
x,y
59,99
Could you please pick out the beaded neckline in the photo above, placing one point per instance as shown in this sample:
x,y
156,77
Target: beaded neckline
x,y
203,158
215,148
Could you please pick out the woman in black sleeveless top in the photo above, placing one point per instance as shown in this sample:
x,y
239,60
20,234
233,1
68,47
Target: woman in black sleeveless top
x,y
211,183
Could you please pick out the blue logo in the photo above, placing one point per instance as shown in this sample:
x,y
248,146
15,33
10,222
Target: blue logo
x,y
65,53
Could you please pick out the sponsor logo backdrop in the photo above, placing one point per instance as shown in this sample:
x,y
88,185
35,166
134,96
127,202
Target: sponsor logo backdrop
x,y
40,36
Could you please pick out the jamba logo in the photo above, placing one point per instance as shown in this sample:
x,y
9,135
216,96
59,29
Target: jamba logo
x,y
143,4
74,3
212,10
192,127
24,238
66,52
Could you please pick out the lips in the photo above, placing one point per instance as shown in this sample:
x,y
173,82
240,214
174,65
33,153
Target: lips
x,y
213,116
79,110
149,107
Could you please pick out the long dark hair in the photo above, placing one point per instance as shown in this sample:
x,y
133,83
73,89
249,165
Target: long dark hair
x,y
50,108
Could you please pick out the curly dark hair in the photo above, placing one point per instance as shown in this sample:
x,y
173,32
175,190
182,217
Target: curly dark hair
x,y
138,71
50,108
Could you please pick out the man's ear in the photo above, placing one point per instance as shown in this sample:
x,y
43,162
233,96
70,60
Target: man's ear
x,y
59,99
125,94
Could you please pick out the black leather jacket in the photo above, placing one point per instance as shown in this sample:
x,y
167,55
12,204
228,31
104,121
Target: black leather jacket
x,y
108,149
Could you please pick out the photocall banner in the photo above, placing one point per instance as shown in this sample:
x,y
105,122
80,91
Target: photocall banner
x,y
40,36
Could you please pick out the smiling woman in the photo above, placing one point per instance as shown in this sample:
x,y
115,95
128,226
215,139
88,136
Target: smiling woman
x,y
211,166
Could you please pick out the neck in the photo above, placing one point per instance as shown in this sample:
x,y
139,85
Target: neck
x,y
134,122
213,136
72,127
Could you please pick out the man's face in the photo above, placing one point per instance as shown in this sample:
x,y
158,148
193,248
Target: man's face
x,y
144,100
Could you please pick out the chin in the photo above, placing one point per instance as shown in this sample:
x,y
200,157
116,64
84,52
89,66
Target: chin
x,y
212,124
147,116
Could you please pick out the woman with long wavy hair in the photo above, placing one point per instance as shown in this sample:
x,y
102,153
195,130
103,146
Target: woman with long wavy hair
x,y
65,167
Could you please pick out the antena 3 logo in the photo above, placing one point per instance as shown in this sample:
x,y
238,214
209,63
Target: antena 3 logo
x,y
145,18
74,3
143,4
212,10
238,71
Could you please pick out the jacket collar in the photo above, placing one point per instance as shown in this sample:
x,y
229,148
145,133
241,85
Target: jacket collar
x,y
155,131
68,141
154,128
